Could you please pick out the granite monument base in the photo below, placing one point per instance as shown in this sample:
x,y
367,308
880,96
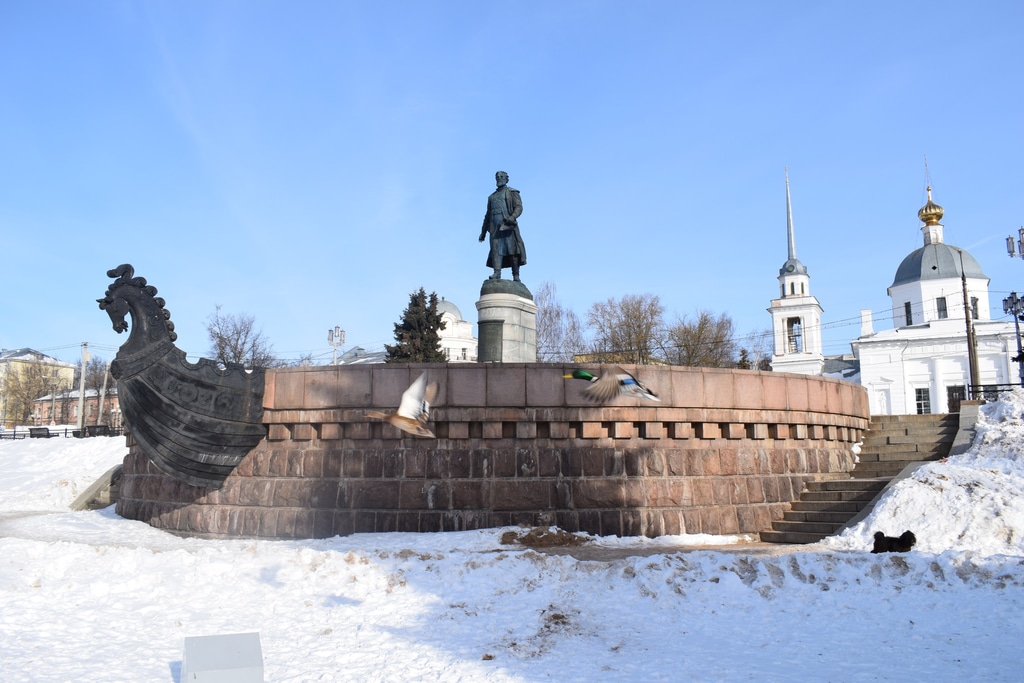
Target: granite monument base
x,y
507,320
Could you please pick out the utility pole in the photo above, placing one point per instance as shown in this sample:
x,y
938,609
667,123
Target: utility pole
x,y
972,340
1013,304
53,397
336,338
81,389
103,394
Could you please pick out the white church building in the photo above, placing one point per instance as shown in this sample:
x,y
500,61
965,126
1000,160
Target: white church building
x,y
924,364
457,340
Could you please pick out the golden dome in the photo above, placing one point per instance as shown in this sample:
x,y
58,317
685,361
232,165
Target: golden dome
x,y
931,213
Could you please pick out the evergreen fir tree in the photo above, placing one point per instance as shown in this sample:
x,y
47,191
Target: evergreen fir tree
x,y
417,334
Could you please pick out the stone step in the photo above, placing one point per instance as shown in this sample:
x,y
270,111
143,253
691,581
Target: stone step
x,y
831,517
792,537
922,449
852,507
862,484
879,470
943,418
929,432
837,496
820,528
905,452
873,435
893,439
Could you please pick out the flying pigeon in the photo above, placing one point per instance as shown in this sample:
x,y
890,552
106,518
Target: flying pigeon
x,y
414,411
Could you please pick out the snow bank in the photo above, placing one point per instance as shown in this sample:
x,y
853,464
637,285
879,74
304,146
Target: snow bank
x,y
973,502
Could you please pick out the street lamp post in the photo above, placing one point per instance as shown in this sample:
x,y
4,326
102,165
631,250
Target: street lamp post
x,y
336,338
1015,245
1015,306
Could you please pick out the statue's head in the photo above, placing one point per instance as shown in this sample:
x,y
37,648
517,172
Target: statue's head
x,y
501,178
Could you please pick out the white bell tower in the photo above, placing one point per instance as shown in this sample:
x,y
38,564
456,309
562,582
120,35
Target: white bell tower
x,y
796,315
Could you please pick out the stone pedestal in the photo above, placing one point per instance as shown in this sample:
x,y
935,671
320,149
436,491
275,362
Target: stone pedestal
x,y
507,322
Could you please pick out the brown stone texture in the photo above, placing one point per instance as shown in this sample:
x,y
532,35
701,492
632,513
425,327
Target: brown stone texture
x,y
723,452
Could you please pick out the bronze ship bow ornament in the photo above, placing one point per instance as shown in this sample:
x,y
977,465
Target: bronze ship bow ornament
x,y
194,421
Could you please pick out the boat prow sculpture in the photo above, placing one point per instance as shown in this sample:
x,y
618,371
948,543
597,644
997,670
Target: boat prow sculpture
x,y
195,421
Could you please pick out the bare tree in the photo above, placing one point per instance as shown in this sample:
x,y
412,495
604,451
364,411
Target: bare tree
x,y
628,330
705,341
756,350
235,339
95,372
97,379
559,331
22,386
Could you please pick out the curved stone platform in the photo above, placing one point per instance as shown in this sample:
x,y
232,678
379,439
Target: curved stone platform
x,y
724,452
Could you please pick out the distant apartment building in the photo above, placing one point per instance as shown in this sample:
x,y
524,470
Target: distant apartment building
x,y
26,374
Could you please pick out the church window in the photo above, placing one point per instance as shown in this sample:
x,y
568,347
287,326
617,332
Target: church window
x,y
974,307
802,290
907,313
940,307
792,288
924,401
794,336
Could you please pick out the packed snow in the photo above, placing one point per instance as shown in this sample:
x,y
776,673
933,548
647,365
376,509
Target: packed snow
x,y
88,596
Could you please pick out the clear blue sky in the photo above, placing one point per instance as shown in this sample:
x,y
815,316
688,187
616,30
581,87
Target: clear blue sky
x,y
312,163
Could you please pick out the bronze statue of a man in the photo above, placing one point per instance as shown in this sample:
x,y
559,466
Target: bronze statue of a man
x,y
503,209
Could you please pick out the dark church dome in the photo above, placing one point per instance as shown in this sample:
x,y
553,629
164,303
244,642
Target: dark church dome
x,y
936,262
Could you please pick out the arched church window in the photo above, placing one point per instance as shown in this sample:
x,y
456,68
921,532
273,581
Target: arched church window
x,y
794,336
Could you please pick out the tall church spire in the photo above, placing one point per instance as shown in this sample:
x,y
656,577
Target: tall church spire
x,y
796,315
789,221
792,266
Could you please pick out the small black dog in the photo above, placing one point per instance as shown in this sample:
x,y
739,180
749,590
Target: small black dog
x,y
893,544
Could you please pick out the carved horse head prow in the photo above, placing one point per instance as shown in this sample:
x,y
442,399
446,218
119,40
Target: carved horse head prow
x,y
128,294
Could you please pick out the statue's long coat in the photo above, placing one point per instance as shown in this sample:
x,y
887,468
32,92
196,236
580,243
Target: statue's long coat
x,y
514,208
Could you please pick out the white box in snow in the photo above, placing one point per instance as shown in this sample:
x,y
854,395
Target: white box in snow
x,y
229,658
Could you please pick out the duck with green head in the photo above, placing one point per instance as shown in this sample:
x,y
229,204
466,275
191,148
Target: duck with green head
x,y
616,383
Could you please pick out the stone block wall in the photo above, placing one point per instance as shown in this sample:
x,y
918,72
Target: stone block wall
x,y
724,452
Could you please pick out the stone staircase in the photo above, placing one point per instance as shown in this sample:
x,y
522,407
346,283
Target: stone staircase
x,y
102,493
890,444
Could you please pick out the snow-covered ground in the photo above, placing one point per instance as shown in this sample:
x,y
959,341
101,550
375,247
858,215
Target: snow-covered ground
x,y
88,596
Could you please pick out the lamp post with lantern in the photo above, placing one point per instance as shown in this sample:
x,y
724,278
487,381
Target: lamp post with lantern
x,y
1014,305
336,338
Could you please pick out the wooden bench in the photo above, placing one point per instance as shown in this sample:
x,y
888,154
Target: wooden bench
x,y
40,432
97,430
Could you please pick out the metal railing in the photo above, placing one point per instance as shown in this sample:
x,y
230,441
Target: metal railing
x,y
989,392
66,432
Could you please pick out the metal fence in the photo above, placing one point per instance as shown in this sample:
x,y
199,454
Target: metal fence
x,y
990,392
65,432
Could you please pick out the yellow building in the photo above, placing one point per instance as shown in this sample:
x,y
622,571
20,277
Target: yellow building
x,y
25,375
